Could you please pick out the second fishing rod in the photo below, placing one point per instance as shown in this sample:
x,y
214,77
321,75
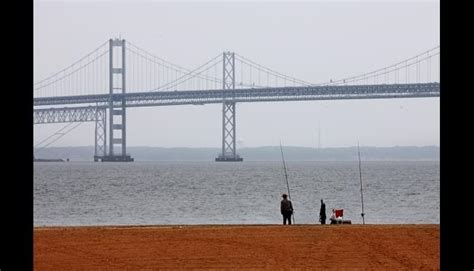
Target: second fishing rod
x,y
286,178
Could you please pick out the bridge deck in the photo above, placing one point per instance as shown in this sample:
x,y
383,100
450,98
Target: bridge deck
x,y
201,97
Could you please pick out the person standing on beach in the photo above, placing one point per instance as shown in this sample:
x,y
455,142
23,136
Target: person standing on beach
x,y
286,209
322,213
333,217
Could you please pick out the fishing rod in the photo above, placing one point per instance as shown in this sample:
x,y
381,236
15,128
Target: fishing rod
x,y
361,194
286,178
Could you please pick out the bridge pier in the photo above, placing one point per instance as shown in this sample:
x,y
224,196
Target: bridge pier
x,y
228,112
113,158
100,146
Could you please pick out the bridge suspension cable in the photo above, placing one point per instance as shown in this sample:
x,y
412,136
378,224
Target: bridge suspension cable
x,y
74,71
85,76
395,69
147,72
193,73
160,74
72,65
268,72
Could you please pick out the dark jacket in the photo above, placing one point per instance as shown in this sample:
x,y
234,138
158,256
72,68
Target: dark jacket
x,y
286,206
322,212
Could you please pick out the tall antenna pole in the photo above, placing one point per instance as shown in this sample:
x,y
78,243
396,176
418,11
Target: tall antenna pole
x,y
360,177
286,178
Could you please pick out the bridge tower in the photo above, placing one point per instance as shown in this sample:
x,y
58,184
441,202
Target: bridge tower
x,y
228,112
117,113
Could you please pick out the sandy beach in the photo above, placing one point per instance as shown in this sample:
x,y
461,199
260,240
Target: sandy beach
x,y
368,247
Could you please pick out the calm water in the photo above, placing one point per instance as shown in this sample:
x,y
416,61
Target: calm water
x,y
137,193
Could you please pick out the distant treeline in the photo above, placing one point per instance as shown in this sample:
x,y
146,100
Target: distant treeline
x,y
271,153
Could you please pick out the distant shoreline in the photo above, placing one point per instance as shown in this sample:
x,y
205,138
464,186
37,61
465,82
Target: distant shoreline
x,y
250,161
268,153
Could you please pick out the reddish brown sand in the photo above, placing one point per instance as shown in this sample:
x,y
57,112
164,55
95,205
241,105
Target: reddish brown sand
x,y
353,247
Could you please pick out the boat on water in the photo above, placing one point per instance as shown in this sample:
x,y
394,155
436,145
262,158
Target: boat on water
x,y
48,160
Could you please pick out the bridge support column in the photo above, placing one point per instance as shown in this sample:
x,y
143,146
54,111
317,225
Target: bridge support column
x,y
100,149
117,113
228,112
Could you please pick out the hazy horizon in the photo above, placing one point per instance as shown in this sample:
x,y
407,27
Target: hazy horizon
x,y
262,146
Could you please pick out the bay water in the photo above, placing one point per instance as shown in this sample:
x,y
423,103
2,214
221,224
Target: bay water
x,y
171,193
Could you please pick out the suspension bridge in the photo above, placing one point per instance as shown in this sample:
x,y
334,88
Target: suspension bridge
x,y
118,74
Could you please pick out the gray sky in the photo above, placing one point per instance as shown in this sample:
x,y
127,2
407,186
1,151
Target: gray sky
x,y
312,41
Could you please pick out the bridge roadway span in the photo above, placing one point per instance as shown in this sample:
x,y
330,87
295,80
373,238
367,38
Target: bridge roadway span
x,y
201,97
